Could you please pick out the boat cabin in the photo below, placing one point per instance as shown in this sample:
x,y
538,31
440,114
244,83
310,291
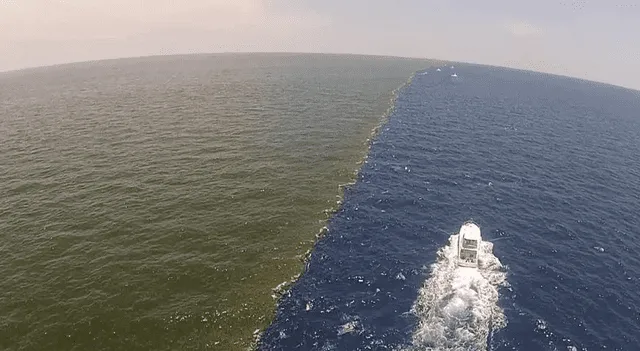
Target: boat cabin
x,y
468,245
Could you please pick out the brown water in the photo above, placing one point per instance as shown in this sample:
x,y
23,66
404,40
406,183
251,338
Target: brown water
x,y
154,203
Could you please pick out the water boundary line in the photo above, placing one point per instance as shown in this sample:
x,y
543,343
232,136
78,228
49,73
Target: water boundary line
x,y
282,289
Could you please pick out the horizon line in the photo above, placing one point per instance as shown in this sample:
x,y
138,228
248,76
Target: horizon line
x,y
379,56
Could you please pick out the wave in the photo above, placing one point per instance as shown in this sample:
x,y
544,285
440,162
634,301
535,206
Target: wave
x,y
458,306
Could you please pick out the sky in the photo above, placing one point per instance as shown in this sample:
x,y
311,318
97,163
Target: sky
x,y
597,40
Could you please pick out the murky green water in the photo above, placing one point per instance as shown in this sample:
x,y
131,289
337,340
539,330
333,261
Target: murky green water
x,y
153,204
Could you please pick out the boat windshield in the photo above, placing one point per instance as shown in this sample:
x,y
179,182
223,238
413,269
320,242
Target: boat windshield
x,y
469,244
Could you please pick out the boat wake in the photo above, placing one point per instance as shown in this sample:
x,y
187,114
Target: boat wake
x,y
458,306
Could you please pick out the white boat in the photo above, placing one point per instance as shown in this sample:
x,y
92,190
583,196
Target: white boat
x,y
455,75
438,70
469,240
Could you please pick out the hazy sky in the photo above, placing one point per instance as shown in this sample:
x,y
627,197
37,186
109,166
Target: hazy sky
x,y
598,40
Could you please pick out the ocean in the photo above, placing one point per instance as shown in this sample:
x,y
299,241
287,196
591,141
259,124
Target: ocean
x,y
547,166
169,203
155,203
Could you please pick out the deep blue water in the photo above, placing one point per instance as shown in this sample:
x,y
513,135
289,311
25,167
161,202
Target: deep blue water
x,y
549,165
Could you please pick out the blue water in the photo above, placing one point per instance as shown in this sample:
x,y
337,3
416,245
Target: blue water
x,y
547,166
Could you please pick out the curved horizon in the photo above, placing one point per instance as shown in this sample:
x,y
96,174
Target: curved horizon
x,y
433,60
572,38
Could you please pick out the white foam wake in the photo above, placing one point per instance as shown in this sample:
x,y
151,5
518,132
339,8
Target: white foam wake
x,y
458,306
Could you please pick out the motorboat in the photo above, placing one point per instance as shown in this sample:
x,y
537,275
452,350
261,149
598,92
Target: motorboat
x,y
469,240
454,75
438,70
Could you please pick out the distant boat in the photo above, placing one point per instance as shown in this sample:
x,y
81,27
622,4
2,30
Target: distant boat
x,y
452,67
469,240
438,70
454,75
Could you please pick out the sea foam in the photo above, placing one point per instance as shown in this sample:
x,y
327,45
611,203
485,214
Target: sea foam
x,y
458,306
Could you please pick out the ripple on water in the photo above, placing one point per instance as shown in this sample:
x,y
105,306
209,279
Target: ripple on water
x,y
546,165
154,203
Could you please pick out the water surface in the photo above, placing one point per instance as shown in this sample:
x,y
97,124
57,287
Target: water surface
x,y
154,203
548,167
